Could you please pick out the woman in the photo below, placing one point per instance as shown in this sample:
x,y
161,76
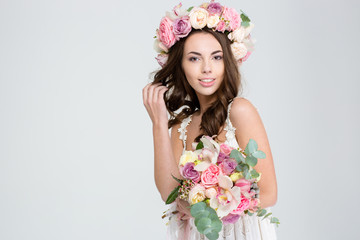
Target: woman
x,y
198,85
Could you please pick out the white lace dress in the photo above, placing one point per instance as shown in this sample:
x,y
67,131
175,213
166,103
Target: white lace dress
x,y
246,228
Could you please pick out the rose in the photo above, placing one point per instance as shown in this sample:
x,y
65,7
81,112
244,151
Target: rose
x,y
238,35
198,17
244,204
188,156
226,149
228,166
232,17
221,158
244,185
214,8
221,26
210,176
213,21
254,203
239,50
190,173
231,218
159,47
197,194
246,57
166,34
162,59
182,27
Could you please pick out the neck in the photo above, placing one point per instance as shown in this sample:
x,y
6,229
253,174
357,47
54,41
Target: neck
x,y
205,102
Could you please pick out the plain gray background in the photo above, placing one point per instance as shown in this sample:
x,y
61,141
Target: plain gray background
x,y
76,153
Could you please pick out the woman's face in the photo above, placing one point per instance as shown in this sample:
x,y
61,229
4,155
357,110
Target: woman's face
x,y
203,63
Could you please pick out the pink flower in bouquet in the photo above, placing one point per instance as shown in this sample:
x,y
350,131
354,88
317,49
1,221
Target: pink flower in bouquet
x,y
190,173
244,204
231,15
182,27
226,149
228,166
254,203
210,176
244,185
166,34
214,8
228,197
221,158
230,218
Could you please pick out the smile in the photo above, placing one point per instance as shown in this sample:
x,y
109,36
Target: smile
x,y
207,82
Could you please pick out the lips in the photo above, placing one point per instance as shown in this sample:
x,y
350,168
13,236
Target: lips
x,y
207,82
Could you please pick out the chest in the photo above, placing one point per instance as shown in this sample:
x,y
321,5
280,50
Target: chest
x,y
193,130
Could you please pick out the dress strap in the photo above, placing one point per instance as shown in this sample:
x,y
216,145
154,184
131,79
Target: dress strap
x,y
182,130
230,129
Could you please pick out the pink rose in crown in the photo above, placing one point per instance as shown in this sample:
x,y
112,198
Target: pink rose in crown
x,y
244,204
246,57
221,27
214,8
244,185
182,27
231,15
224,148
166,34
162,59
210,176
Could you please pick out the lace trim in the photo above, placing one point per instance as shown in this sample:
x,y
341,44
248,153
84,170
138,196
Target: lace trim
x,y
230,129
182,130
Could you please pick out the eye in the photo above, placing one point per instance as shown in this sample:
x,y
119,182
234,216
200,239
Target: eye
x,y
219,57
193,59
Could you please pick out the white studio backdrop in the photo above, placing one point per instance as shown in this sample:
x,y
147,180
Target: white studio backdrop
x,y
76,153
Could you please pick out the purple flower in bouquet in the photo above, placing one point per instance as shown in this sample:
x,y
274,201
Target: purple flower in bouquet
x,y
231,218
190,173
228,166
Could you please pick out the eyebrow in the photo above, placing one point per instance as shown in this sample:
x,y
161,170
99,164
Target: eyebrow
x,y
196,53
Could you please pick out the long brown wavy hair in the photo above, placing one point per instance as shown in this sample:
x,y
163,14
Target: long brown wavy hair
x,y
181,99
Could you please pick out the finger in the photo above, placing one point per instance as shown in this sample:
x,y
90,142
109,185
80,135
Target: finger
x,y
161,93
145,93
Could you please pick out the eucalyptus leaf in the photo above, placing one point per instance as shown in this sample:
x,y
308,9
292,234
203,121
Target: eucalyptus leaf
x,y
216,225
254,173
248,175
267,215
244,17
261,212
213,235
274,220
197,207
252,146
259,154
250,213
203,224
237,156
189,9
252,161
173,195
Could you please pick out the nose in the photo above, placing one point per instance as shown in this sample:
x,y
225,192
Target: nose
x,y
206,68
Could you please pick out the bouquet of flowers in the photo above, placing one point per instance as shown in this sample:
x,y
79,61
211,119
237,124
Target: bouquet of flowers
x,y
220,184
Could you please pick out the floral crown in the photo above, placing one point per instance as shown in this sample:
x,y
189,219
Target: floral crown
x,y
179,22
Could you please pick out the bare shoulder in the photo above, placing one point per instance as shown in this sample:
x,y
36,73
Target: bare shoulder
x,y
242,110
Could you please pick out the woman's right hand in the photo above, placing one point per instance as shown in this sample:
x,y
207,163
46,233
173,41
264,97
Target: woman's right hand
x,y
153,99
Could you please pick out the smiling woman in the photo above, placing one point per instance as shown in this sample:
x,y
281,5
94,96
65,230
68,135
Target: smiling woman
x,y
200,51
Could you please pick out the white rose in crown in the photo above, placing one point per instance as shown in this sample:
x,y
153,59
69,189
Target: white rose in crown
x,y
239,50
198,17
213,21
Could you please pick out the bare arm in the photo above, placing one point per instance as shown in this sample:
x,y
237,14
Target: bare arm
x,y
248,123
164,155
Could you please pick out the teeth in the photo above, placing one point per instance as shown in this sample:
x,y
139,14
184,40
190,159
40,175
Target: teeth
x,y
207,80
